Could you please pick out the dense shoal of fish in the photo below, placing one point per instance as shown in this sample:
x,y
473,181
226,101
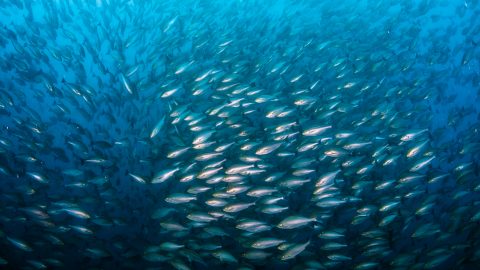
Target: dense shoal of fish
x,y
240,134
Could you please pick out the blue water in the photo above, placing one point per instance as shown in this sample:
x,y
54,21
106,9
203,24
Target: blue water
x,y
84,84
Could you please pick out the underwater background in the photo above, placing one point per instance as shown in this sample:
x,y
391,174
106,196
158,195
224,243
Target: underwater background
x,y
239,134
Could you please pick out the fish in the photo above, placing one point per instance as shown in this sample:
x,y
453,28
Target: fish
x,y
252,226
239,134
294,222
315,130
19,244
178,152
164,175
126,84
179,198
421,164
76,213
264,243
294,251
237,207
157,127
265,150
414,151
137,178
412,135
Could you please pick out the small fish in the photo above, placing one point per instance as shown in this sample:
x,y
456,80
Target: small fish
x,y
414,151
264,243
76,213
178,198
294,251
202,137
327,179
294,222
138,178
421,164
157,127
412,135
126,84
315,130
19,244
178,152
225,256
237,207
164,175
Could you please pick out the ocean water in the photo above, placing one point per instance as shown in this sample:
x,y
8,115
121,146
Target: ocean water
x,y
239,134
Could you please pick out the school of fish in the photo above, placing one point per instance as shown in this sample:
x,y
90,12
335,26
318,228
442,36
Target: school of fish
x,y
240,134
